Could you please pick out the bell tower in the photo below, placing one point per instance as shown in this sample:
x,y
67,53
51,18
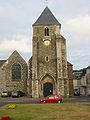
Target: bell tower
x,y
49,62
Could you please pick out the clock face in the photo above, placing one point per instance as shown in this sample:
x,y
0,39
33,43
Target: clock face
x,y
46,42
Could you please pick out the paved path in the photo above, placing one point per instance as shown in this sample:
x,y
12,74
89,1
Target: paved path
x,y
2,104
77,99
27,100
21,100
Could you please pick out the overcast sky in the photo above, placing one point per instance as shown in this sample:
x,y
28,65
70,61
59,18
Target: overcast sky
x,y
17,17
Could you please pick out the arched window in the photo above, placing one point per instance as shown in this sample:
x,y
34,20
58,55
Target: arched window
x,y
47,59
46,31
16,71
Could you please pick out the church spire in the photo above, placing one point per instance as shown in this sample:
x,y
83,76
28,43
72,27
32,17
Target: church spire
x,y
47,18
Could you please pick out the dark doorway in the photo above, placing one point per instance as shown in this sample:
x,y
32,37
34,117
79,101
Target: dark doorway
x,y
47,89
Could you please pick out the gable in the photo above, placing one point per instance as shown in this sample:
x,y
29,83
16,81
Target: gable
x,y
2,62
16,57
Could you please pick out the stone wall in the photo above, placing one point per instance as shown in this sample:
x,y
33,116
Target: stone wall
x,y
56,65
70,76
7,83
40,66
2,81
29,81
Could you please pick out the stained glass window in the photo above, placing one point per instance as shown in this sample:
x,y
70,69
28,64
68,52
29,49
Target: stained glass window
x,y
16,71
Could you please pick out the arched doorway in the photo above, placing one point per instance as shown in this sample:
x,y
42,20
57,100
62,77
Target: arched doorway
x,y
47,89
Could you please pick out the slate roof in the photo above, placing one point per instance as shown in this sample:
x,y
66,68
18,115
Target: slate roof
x,y
68,63
46,18
88,67
2,62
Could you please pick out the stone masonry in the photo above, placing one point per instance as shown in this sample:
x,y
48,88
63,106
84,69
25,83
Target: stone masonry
x,y
54,70
6,82
47,71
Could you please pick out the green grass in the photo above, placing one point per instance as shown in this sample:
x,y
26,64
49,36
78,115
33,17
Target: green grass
x,y
66,111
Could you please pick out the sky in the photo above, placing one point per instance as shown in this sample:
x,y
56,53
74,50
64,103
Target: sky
x,y
17,17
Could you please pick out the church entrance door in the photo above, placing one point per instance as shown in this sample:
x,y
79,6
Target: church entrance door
x,y
47,89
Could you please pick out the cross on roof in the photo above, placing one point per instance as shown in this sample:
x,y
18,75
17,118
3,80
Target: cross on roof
x,y
46,2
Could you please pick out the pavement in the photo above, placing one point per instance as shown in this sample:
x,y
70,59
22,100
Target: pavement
x,y
77,99
27,100
20,100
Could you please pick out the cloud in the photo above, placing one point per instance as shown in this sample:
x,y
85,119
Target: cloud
x,y
77,32
17,17
79,25
18,42
79,58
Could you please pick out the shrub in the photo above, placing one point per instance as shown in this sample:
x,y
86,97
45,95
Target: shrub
x,y
11,106
6,118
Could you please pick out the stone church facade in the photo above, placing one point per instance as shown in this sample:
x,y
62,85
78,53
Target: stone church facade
x,y
47,71
16,81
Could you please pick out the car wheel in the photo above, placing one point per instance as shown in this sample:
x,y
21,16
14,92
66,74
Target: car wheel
x,y
59,101
44,101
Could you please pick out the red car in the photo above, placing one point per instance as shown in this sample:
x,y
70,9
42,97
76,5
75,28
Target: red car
x,y
52,99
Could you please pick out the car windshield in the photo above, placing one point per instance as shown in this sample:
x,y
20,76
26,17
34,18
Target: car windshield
x,y
14,92
50,96
4,92
56,96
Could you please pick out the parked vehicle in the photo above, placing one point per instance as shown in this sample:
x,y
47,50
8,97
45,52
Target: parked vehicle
x,y
18,94
89,92
6,94
52,99
15,94
21,94
76,91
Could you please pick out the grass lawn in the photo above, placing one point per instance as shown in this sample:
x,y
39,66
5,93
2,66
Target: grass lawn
x,y
64,111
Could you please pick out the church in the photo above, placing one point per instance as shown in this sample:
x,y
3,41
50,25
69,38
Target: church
x,y
47,71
